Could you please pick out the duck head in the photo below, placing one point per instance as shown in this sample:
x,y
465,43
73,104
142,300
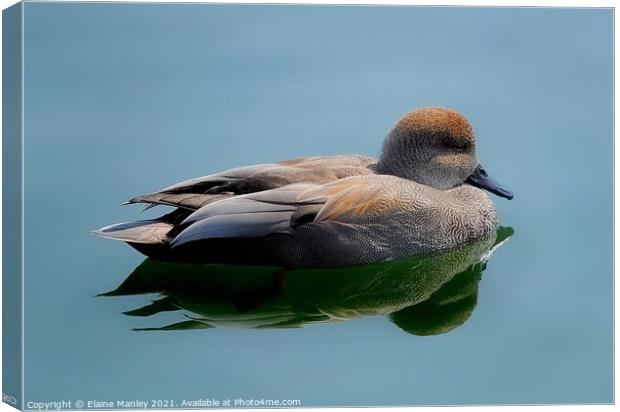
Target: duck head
x,y
436,147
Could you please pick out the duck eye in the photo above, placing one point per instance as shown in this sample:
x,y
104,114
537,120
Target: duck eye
x,y
456,144
447,140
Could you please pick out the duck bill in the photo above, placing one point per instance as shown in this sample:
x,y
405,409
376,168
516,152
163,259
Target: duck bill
x,y
481,179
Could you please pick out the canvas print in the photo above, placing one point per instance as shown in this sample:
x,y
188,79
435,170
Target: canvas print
x,y
246,206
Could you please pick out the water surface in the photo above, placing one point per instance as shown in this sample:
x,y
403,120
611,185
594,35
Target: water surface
x,y
123,99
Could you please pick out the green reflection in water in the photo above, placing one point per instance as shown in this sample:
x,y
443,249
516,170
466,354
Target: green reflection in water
x,y
427,295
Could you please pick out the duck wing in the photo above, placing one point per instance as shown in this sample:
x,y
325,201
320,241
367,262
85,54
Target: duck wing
x,y
283,210
195,193
358,198
251,215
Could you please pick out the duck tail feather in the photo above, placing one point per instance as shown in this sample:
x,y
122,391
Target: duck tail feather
x,y
152,231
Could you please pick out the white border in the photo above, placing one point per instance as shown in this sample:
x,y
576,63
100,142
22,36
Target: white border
x,y
434,3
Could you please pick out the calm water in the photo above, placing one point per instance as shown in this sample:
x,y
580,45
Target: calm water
x,y
125,99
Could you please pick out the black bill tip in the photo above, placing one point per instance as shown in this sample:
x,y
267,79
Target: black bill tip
x,y
481,179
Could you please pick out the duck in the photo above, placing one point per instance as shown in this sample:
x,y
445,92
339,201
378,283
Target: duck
x,y
426,193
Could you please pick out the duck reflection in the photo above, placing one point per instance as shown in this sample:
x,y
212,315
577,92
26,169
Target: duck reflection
x,y
422,295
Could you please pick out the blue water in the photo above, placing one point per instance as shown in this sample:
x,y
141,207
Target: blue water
x,y
123,99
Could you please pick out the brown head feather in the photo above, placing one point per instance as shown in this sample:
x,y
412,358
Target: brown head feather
x,y
433,146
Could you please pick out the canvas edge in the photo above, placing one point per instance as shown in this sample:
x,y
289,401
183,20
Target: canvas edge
x,y
12,215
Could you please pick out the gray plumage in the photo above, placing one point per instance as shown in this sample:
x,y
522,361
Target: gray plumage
x,y
418,197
